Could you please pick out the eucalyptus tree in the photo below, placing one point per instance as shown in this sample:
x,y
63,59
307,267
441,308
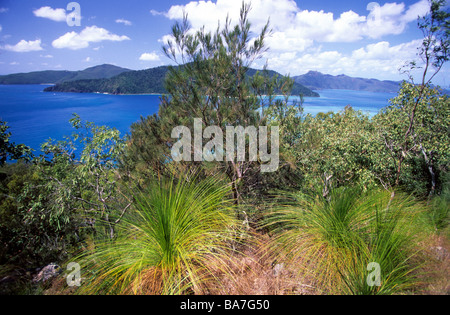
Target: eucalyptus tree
x,y
9,150
86,183
416,122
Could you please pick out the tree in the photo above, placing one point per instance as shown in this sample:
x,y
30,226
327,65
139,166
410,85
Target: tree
x,y
426,144
336,149
88,183
9,150
211,84
434,53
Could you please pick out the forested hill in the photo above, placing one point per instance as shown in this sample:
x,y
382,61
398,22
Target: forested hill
x,y
133,82
142,82
55,77
318,81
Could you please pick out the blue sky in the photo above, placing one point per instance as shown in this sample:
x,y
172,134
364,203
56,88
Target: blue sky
x,y
353,37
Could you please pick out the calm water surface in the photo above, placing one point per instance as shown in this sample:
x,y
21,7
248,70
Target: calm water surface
x,y
35,116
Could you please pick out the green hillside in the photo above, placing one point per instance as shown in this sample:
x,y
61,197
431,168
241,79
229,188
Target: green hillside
x,y
143,82
52,76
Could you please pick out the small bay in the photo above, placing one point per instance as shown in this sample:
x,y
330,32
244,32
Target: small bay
x,y
35,116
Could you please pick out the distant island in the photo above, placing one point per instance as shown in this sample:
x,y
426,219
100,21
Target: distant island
x,y
55,77
116,80
149,81
318,81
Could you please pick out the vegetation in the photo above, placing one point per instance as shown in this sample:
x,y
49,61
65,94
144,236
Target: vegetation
x,y
131,82
150,81
318,81
358,205
169,243
334,240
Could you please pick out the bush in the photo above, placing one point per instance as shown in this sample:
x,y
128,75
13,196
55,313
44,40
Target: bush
x,y
335,240
167,244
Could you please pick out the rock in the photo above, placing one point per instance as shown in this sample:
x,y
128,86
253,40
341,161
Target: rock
x,y
47,273
278,269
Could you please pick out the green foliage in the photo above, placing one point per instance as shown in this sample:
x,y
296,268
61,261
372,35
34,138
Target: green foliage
x,y
168,243
89,183
174,234
48,207
31,233
213,82
10,150
419,146
439,208
334,240
336,149
129,82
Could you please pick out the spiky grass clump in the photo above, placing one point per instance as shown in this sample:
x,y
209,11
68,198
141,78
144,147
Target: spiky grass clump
x,y
169,242
336,241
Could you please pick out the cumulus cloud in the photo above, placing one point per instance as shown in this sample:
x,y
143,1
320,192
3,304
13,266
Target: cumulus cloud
x,y
298,34
58,15
24,46
149,57
380,60
290,22
91,34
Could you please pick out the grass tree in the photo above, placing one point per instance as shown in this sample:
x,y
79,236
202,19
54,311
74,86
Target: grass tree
x,y
351,243
168,243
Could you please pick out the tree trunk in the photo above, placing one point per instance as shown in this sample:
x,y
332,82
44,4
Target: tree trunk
x,y
429,164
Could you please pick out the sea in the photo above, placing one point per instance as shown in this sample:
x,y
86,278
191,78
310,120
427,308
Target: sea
x,y
35,116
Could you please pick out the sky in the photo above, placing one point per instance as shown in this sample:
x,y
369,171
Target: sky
x,y
353,37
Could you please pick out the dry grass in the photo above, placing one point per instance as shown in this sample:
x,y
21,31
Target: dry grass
x,y
436,273
254,272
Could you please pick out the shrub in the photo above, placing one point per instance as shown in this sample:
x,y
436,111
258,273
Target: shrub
x,y
335,240
167,244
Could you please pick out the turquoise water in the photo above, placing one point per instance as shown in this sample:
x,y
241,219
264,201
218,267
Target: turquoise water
x,y
336,100
35,116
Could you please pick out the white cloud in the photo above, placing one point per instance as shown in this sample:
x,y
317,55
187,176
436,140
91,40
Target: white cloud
x,y
291,23
58,15
91,34
25,46
416,10
88,59
4,10
124,22
392,18
149,57
297,34
379,60
156,13
46,56
1,28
